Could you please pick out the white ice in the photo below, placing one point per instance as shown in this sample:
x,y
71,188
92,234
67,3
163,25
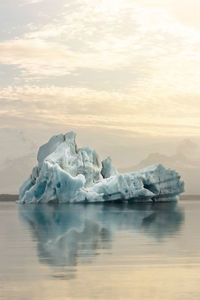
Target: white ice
x,y
67,174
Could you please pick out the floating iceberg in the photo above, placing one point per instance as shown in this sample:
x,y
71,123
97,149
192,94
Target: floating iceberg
x,y
66,173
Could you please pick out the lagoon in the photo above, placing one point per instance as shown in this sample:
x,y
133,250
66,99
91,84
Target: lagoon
x,y
100,251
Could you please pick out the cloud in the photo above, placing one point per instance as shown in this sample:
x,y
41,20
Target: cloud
x,y
88,107
90,41
90,35
40,59
36,57
159,54
25,2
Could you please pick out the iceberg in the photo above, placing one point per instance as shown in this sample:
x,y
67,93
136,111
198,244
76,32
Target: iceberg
x,y
66,173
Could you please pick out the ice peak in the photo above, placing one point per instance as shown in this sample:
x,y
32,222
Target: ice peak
x,y
70,136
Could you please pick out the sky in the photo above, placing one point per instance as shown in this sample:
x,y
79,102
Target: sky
x,y
123,74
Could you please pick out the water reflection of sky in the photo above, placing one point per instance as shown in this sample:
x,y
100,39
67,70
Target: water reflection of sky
x,y
69,235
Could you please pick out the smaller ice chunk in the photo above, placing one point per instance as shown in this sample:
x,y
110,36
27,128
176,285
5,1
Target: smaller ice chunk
x,y
107,169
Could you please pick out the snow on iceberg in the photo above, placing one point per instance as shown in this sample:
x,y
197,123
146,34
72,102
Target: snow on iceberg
x,y
66,173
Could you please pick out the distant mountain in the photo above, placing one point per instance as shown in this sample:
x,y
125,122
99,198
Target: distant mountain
x,y
17,158
15,143
13,173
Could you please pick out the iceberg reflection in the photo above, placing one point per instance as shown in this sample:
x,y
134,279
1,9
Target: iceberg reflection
x,y
70,234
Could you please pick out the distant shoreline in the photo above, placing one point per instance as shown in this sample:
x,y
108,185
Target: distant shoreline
x,y
8,198
12,198
190,197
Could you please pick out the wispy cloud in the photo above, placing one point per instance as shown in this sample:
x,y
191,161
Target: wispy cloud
x,y
86,107
40,58
25,2
158,53
109,36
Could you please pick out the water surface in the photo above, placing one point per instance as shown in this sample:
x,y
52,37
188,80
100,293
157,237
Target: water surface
x,y
112,251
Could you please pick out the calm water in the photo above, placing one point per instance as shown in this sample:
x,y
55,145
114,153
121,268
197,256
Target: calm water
x,y
100,251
